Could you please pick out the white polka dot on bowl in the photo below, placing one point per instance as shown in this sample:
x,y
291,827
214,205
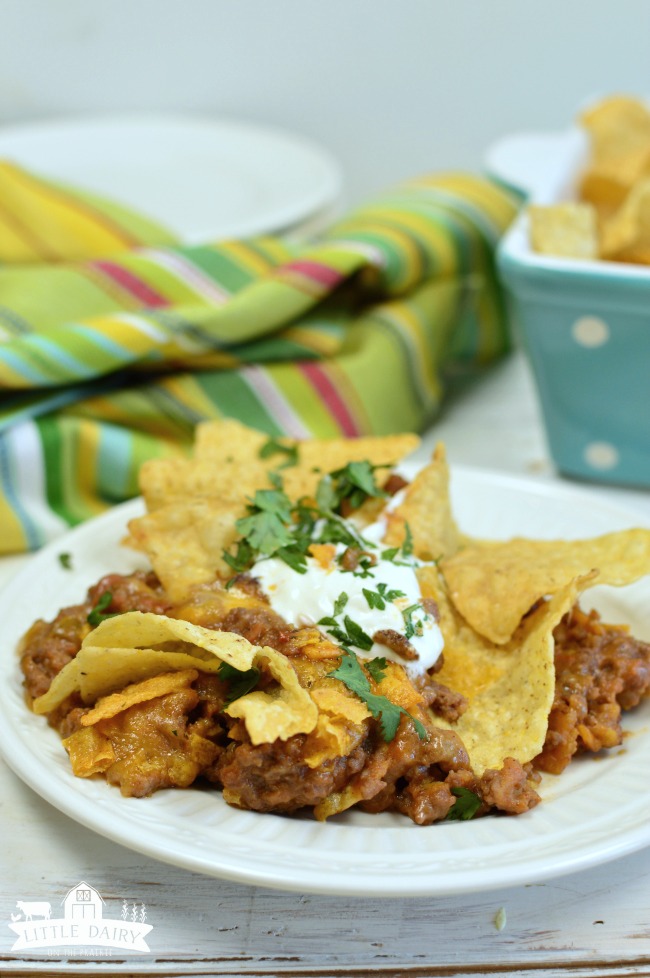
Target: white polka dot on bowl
x,y
601,455
590,331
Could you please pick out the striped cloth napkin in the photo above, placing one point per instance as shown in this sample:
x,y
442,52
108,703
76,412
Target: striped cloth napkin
x,y
115,341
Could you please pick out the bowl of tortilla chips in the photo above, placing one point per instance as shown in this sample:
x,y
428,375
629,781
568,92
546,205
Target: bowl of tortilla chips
x,y
576,263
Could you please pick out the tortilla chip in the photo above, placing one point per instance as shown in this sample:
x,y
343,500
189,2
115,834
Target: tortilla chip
x,y
90,752
122,650
566,230
510,688
470,664
337,802
331,738
606,184
142,692
333,698
276,713
320,456
509,717
618,126
626,236
227,440
194,504
494,585
228,465
426,508
185,541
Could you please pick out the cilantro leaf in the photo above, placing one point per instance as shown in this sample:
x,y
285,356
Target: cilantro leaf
x,y
275,447
377,599
241,681
466,806
294,557
354,484
328,620
357,635
275,526
340,603
405,550
350,633
377,668
65,560
98,614
388,713
265,530
412,627
272,501
241,559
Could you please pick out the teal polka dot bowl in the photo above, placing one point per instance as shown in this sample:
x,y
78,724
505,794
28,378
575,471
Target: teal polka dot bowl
x,y
584,324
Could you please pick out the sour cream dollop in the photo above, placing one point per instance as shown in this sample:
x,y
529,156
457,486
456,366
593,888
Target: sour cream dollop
x,y
306,599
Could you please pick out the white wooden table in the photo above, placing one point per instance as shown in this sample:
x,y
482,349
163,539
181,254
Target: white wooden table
x,y
592,923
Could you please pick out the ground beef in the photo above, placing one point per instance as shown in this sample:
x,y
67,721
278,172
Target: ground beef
x,y
140,591
261,626
508,789
424,799
600,670
275,778
49,646
404,757
352,556
396,642
444,702
394,483
250,585
170,741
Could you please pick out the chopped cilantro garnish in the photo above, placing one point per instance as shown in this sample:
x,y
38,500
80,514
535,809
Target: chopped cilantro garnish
x,y
242,558
377,668
241,681
355,483
265,531
465,807
66,561
407,546
99,614
275,447
266,528
294,557
390,553
356,634
405,550
350,634
377,599
340,603
276,527
388,713
412,627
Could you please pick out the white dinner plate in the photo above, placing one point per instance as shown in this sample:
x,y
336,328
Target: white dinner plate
x,y
597,810
202,178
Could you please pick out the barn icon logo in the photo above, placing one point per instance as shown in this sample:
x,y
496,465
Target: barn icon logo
x,y
82,923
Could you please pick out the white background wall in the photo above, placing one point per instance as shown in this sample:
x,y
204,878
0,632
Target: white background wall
x,y
392,87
